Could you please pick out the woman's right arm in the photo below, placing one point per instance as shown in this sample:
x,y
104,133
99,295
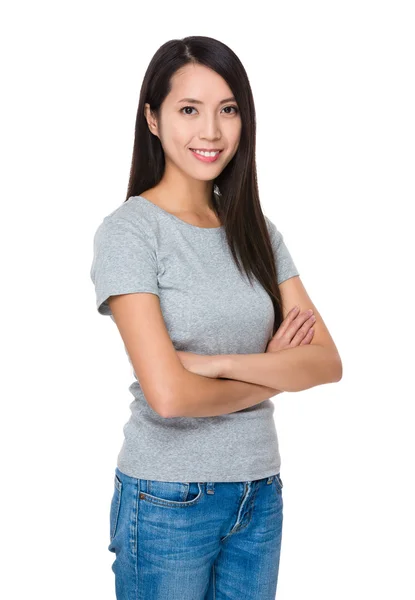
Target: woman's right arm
x,y
200,396
168,387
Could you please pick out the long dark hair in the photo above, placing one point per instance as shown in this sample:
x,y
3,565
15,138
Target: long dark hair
x,y
235,195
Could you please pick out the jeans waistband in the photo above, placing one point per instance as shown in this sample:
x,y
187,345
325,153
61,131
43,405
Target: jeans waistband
x,y
210,485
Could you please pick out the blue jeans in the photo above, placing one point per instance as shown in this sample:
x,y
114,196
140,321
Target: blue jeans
x,y
196,541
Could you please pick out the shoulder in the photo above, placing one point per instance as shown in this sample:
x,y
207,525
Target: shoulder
x,y
131,211
128,221
268,221
272,229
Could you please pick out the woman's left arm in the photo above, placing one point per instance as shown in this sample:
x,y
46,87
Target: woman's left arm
x,y
288,370
291,369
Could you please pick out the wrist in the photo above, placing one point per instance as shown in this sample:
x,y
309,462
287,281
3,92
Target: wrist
x,y
222,362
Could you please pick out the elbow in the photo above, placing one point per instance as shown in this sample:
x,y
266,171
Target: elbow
x,y
156,405
337,369
172,399
159,408
332,368
162,402
340,371
164,414
168,405
165,407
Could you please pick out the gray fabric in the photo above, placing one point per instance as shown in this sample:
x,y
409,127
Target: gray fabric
x,y
208,308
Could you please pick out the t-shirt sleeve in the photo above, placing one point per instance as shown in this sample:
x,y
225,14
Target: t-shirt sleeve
x,y
285,265
124,261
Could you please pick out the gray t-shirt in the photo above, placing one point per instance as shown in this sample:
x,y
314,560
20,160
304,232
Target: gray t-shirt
x,y
208,308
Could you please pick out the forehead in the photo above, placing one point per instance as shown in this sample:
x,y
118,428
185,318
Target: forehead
x,y
199,82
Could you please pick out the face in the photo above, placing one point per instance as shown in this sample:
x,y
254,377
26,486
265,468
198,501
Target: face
x,y
207,124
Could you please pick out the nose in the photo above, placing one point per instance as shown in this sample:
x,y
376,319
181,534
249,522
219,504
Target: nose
x,y
210,129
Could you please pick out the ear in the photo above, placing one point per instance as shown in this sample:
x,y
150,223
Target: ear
x,y
151,120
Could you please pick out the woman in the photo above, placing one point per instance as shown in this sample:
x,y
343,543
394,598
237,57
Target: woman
x,y
202,289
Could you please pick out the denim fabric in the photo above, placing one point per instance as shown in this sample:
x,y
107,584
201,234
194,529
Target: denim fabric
x,y
196,540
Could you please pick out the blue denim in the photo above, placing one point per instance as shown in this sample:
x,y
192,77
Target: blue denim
x,y
197,540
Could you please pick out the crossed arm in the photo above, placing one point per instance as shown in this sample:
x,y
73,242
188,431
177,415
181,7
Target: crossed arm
x,y
251,378
231,382
221,384
288,370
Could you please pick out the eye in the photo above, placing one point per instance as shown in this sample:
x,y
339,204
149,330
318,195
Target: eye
x,y
184,108
236,109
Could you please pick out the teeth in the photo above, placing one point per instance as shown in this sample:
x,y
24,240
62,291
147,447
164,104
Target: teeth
x,y
206,153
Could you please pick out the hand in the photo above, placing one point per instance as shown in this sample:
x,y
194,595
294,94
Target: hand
x,y
295,330
200,364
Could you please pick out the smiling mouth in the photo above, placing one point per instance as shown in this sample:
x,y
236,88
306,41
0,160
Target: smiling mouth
x,y
205,150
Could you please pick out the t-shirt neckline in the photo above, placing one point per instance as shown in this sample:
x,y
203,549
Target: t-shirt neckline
x,y
184,223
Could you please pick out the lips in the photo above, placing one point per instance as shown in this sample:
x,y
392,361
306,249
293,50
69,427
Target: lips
x,y
207,149
206,159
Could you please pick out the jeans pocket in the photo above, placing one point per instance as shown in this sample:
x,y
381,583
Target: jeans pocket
x,y
172,493
115,506
278,483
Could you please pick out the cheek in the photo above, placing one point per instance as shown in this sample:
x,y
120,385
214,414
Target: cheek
x,y
237,133
234,143
179,132
233,134
174,133
174,142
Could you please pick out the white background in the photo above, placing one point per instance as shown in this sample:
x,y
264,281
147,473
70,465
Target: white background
x,y
333,84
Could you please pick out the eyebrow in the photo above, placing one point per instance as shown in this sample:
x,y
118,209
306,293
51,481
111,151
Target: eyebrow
x,y
194,101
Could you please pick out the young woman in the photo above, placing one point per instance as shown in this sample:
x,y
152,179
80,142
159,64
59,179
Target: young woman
x,y
202,288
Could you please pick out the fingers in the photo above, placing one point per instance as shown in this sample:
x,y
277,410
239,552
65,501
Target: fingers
x,y
301,322
295,328
307,338
287,322
305,332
